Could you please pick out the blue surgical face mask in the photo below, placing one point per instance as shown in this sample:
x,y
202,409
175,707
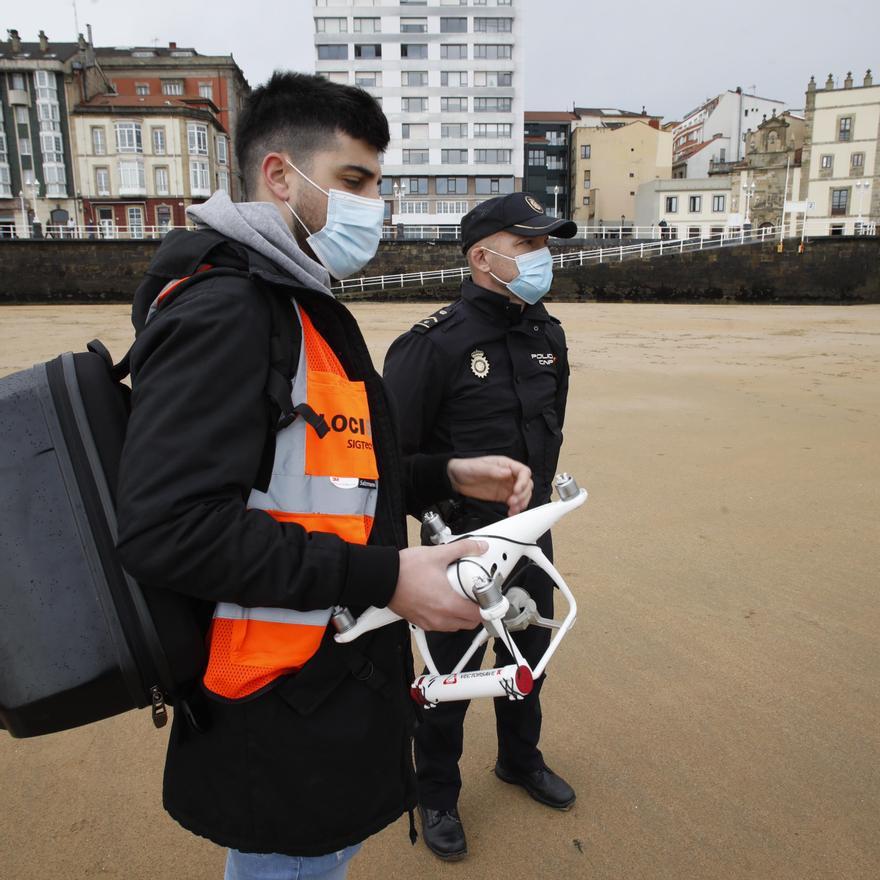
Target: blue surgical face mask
x,y
350,237
535,274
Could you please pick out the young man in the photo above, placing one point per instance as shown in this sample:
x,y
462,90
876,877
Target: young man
x,y
293,749
488,375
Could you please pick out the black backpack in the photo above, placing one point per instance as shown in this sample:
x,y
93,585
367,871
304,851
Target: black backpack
x,y
80,640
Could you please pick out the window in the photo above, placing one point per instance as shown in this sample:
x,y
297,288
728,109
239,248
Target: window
x,y
557,163
332,53
694,232
492,157
826,162
99,141
414,25
386,186
718,204
368,25
222,149
199,180
368,50
536,157
587,180
493,51
336,76
132,181
18,82
416,185
128,137
413,50
493,105
453,25
585,151
444,207
142,88
454,78
454,157
21,115
453,51
206,90
695,204
671,204
197,139
136,221
102,181
453,105
334,25
586,201
492,129
493,186
367,78
451,186
493,25
223,180
453,130
857,160
415,157
172,86
51,147
163,217
24,146
160,181
414,105
414,78
839,202
407,206
409,131
158,135
493,78
844,128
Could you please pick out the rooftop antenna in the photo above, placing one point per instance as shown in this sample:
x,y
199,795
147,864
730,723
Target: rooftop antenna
x,y
75,19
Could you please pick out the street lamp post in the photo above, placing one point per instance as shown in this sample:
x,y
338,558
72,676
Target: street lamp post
x,y
749,189
556,201
399,194
24,216
861,187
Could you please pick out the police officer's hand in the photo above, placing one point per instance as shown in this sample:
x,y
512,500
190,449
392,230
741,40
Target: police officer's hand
x,y
493,478
424,596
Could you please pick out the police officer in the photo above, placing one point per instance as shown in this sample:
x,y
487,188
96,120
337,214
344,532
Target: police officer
x,y
488,375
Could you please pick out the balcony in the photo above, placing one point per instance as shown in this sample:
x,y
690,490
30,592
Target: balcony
x,y
19,97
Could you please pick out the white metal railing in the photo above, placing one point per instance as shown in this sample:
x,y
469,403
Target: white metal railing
x,y
57,231
568,259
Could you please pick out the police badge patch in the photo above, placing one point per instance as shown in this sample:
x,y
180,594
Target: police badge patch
x,y
479,364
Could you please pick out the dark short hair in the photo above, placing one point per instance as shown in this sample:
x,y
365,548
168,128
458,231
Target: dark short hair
x,y
300,112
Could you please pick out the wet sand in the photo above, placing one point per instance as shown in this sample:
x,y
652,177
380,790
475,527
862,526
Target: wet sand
x,y
717,705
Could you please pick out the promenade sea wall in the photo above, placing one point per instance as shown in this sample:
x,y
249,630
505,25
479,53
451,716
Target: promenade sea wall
x,y
831,270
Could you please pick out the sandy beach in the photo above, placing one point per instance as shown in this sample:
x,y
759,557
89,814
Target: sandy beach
x,y
717,705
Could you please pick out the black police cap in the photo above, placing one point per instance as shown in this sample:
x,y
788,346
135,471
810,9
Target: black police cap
x,y
518,213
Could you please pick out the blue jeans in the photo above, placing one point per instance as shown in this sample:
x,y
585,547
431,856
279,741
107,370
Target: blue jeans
x,y
273,866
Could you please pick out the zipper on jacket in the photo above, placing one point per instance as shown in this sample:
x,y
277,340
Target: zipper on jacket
x,y
159,710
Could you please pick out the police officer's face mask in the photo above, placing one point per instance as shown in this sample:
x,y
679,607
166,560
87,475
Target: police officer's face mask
x,y
350,237
535,274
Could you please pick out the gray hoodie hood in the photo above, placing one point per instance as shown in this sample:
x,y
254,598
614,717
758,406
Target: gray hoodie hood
x,y
259,226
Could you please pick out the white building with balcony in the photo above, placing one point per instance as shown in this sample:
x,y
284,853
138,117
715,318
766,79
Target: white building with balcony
x,y
449,78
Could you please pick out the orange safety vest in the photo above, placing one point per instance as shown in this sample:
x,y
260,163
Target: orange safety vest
x,y
324,483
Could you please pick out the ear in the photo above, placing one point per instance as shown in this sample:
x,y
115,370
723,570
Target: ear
x,y
477,258
274,174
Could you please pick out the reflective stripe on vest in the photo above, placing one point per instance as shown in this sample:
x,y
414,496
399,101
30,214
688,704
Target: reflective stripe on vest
x,y
324,485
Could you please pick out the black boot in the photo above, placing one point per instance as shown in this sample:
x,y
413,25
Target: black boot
x,y
443,833
543,785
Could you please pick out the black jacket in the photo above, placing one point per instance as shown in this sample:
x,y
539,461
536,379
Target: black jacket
x,y
483,376
322,760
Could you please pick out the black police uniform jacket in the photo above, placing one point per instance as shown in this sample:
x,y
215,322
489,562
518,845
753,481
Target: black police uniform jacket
x,y
323,759
483,376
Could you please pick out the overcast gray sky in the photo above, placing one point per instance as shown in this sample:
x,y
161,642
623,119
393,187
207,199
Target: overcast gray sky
x,y
668,55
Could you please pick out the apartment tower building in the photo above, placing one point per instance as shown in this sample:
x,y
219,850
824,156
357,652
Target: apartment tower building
x,y
448,75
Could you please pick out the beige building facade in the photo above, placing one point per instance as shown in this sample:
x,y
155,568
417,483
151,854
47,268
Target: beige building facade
x,y
610,164
685,208
840,180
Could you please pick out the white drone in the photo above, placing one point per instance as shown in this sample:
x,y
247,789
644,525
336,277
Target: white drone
x,y
482,579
